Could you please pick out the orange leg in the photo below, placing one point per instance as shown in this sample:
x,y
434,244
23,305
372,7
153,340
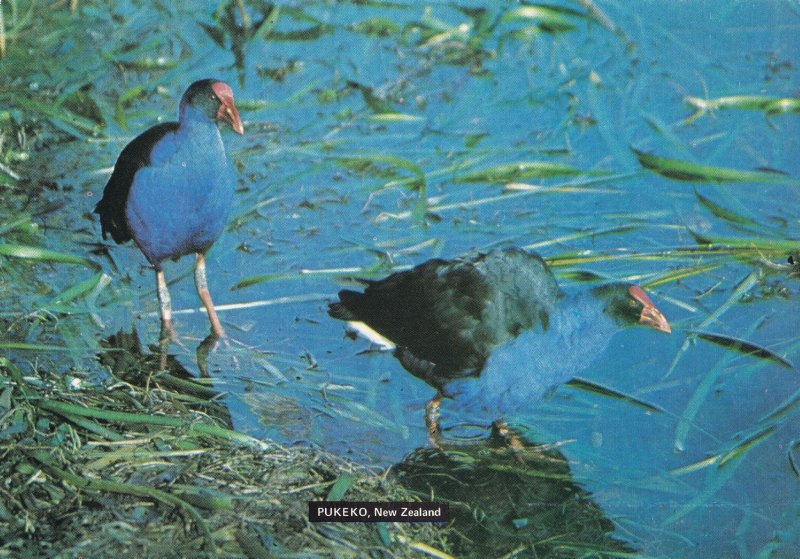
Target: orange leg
x,y
205,296
432,414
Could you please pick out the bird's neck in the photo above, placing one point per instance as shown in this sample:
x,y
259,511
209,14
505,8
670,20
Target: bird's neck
x,y
582,315
193,121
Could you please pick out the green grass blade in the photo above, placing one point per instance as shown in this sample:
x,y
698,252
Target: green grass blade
x,y
679,274
164,421
743,346
38,253
746,445
765,245
679,170
418,181
22,346
376,26
549,19
594,388
340,487
770,105
783,409
395,117
78,290
724,213
579,235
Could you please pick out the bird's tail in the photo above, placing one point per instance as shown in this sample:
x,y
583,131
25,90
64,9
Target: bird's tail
x,y
339,311
343,309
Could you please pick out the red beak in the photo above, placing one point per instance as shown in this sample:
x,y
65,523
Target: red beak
x,y
227,110
650,316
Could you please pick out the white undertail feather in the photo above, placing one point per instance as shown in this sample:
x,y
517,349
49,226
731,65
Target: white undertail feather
x,y
365,331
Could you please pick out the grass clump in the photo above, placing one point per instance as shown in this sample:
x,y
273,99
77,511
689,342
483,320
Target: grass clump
x,y
91,471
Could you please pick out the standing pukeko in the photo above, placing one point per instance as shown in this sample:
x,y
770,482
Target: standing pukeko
x,y
492,330
171,190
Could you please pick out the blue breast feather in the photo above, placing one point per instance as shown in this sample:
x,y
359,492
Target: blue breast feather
x,y
521,372
179,203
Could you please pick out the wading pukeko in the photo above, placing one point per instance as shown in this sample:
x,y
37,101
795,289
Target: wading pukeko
x,y
492,330
172,187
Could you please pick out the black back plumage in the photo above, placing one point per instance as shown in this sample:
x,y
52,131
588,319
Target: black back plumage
x,y
447,316
136,155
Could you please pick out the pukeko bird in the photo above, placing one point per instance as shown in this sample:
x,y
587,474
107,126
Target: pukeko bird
x,y
171,190
492,330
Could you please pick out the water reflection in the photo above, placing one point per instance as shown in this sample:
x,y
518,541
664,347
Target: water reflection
x,y
522,502
128,361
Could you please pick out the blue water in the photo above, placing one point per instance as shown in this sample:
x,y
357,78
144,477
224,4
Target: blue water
x,y
579,98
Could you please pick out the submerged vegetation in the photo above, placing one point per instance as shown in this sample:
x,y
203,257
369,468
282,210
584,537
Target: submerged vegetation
x,y
379,134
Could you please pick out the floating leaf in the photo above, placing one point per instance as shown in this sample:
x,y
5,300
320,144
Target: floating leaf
x,y
743,346
770,105
546,18
723,213
395,117
374,102
308,34
743,447
587,386
677,169
523,170
472,139
766,245
376,26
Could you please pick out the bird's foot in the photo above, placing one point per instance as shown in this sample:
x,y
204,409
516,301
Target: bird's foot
x,y
169,335
509,439
210,345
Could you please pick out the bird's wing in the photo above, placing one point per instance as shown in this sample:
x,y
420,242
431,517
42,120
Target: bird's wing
x,y
428,311
115,195
524,293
